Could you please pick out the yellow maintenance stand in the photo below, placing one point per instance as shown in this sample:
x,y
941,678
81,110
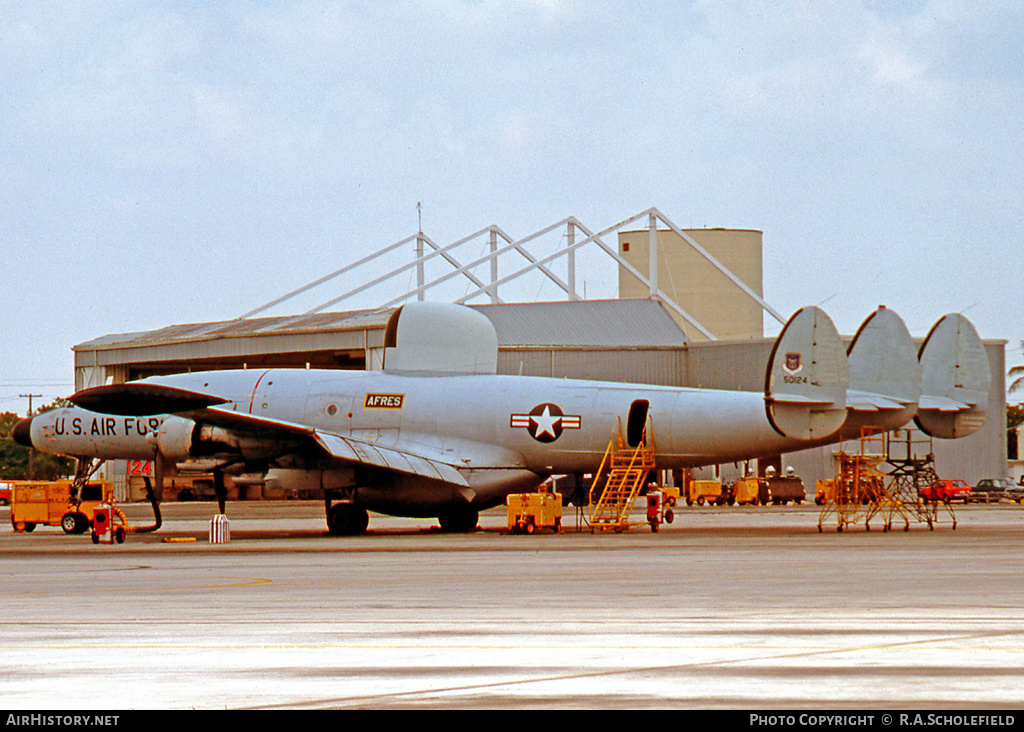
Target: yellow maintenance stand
x,y
858,490
876,481
620,478
911,459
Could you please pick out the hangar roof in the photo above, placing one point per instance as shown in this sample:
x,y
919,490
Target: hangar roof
x,y
248,328
594,323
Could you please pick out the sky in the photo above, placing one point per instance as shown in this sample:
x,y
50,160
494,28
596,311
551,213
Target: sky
x,y
182,162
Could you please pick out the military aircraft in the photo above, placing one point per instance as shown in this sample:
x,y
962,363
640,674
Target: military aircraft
x,y
438,433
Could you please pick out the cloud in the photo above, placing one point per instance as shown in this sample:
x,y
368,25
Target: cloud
x,y
215,156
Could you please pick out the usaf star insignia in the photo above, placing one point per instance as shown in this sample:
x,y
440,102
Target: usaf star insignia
x,y
545,422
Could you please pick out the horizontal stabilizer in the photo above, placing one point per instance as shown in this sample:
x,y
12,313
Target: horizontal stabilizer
x,y
139,400
805,387
860,401
942,404
955,378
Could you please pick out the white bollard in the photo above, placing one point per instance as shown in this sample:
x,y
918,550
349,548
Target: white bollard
x,y
220,529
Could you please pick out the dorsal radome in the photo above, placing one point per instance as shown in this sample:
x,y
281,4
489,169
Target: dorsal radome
x,y
440,338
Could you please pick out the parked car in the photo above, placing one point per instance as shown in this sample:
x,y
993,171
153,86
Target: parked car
x,y
1015,493
946,491
991,489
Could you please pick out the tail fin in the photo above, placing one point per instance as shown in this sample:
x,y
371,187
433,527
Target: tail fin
x,y
885,375
805,387
955,380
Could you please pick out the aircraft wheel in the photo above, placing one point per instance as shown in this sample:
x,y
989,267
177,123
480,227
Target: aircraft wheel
x,y
345,519
458,519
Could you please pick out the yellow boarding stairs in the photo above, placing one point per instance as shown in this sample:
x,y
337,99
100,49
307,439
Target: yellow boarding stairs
x,y
626,469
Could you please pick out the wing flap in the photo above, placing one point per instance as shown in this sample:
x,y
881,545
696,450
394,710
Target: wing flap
x,y
353,450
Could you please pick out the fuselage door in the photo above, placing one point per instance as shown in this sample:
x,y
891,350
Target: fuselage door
x,y
636,421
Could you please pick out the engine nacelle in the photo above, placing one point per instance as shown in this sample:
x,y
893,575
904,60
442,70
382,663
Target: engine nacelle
x,y
175,438
180,439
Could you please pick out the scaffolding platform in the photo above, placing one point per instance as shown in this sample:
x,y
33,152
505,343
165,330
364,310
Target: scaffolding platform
x,y
883,479
911,463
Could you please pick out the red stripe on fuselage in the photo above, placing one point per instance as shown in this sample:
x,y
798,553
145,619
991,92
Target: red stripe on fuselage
x,y
256,386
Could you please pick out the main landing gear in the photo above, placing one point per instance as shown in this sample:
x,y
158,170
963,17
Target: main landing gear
x,y
346,519
458,519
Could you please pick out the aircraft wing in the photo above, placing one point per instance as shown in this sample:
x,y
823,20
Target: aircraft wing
x,y
143,399
344,448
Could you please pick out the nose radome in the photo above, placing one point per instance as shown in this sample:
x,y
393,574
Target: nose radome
x,y
22,432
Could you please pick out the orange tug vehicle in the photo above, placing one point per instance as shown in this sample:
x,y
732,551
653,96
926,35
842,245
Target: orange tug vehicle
x,y
49,503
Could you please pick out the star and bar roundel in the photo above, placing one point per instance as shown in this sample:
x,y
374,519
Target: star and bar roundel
x,y
545,422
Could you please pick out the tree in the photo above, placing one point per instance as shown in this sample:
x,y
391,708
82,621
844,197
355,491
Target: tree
x,y
14,457
1016,376
1014,415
